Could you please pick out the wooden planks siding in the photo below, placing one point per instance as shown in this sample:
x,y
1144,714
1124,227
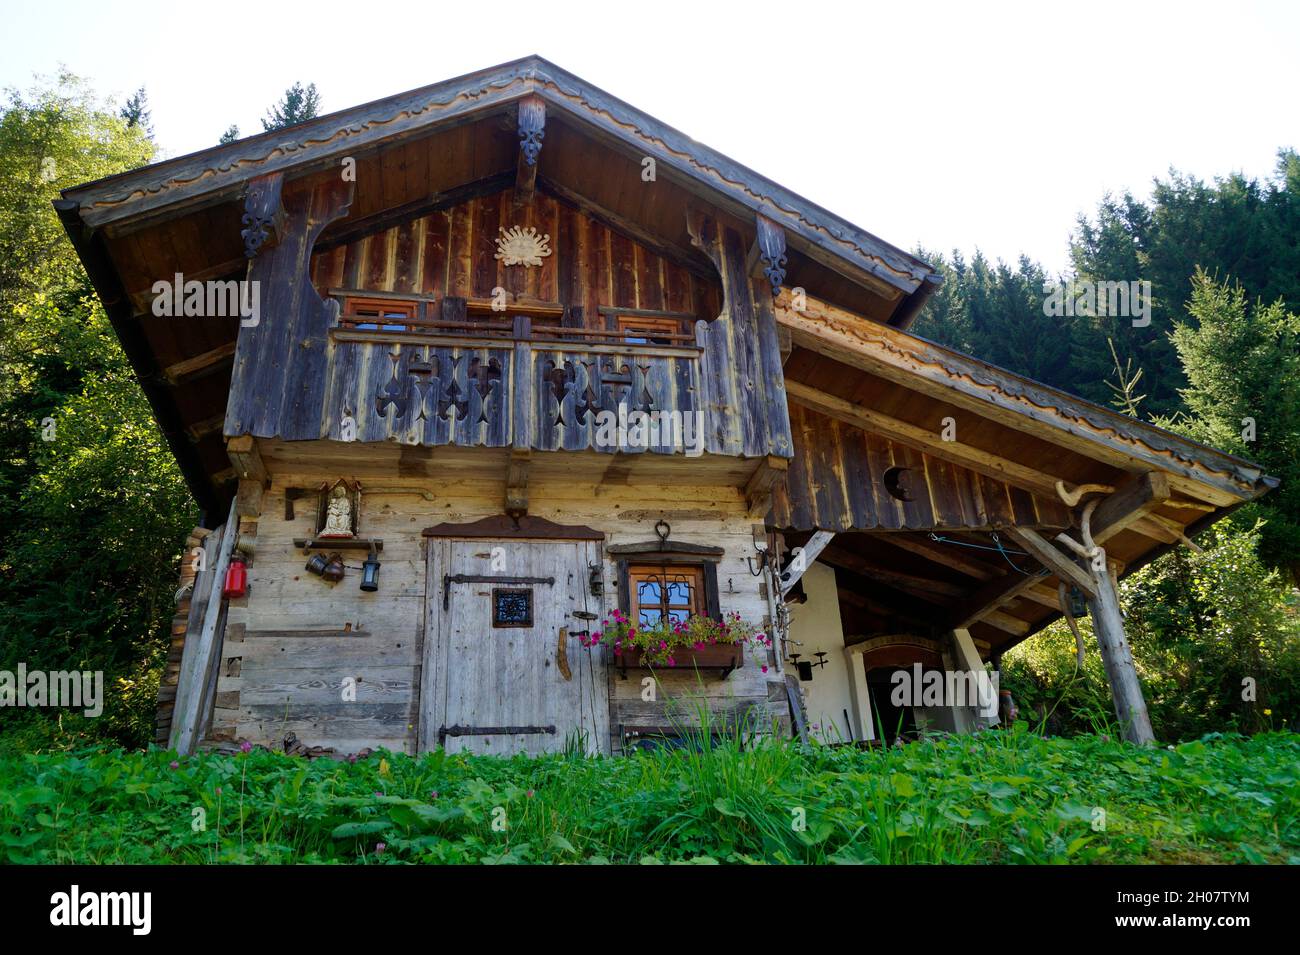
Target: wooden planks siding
x,y
836,482
451,252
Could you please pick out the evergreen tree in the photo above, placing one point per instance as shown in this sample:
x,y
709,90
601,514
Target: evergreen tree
x,y
946,316
1243,396
297,106
136,112
230,135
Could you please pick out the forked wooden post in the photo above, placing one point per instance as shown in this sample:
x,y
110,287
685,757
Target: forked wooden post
x,y
1121,672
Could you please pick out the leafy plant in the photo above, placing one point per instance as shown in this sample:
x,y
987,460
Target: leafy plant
x,y
663,643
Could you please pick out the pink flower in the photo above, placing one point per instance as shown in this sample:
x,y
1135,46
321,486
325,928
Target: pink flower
x,y
380,846
245,747
764,667
530,794
218,790
174,765
672,662
434,794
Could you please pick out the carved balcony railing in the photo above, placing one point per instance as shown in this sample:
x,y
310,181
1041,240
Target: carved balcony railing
x,y
496,383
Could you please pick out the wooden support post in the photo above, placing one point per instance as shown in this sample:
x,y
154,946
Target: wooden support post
x,y
770,471
202,644
517,483
860,695
966,658
803,559
1125,689
252,474
532,129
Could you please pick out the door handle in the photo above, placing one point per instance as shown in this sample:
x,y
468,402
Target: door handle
x,y
562,654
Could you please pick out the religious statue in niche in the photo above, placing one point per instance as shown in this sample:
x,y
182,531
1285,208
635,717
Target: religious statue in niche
x,y
338,510
522,246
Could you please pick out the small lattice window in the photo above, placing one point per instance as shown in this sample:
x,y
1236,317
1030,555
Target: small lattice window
x,y
512,608
371,315
665,592
638,330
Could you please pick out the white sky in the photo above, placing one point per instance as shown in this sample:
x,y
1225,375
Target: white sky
x,y
953,125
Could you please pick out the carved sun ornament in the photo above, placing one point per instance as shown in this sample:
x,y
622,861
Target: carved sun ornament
x,y
522,246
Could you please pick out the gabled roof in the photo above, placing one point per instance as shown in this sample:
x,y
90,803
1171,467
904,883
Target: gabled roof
x,y
221,173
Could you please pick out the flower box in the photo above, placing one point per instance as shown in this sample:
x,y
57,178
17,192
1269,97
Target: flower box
x,y
723,657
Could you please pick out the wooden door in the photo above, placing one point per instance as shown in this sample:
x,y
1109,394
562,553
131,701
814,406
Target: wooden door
x,y
504,671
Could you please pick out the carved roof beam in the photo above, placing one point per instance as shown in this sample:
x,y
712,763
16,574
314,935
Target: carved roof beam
x,y
263,217
767,258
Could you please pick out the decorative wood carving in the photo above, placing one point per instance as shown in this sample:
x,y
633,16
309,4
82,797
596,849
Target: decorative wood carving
x,y
770,244
522,245
431,389
532,128
263,217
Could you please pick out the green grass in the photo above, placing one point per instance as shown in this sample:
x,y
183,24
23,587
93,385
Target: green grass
x,y
1003,797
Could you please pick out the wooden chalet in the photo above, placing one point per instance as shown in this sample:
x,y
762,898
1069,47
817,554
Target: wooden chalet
x,y
451,285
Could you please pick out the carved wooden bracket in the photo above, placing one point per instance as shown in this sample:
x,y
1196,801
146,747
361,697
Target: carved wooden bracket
x,y
768,253
532,129
263,218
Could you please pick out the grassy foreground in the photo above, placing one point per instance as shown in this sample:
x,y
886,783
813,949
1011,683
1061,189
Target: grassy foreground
x,y
997,797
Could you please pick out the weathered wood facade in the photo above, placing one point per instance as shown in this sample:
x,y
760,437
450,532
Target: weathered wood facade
x,y
467,297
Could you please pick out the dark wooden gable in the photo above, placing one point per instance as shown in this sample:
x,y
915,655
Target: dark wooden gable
x,y
450,252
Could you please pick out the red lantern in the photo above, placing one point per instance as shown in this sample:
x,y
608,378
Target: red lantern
x,y
236,579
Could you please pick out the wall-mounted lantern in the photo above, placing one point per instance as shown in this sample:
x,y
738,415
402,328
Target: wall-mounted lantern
x,y
370,574
1078,603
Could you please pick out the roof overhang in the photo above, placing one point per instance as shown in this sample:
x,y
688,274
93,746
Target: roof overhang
x,y
847,378
132,200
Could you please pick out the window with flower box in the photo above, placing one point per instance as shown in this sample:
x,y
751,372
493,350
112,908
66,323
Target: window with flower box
x,y
666,591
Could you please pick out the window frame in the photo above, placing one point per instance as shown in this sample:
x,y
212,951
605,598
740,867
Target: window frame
x,y
707,565
388,308
643,572
639,330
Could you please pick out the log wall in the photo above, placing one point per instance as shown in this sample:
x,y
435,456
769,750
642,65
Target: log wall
x,y
294,639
